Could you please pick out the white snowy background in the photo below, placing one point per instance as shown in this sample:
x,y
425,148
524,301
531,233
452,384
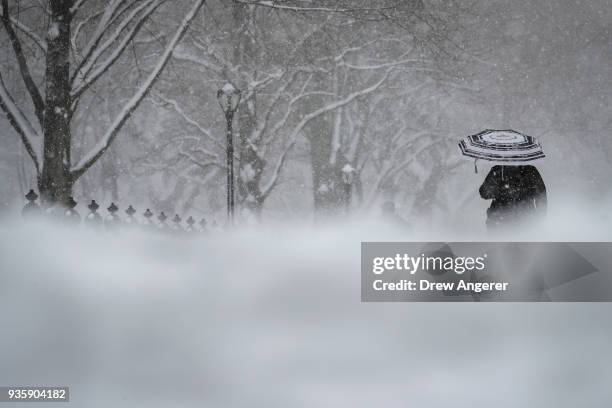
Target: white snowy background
x,y
272,317
269,315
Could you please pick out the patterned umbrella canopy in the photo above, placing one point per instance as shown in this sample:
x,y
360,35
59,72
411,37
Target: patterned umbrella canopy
x,y
501,146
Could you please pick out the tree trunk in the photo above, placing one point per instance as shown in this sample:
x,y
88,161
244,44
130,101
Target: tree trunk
x,y
328,186
329,194
250,163
56,181
110,176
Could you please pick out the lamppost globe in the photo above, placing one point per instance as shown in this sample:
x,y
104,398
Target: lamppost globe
x,y
348,173
229,98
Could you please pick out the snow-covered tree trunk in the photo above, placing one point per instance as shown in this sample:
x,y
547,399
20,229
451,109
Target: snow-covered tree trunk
x,y
56,181
328,192
332,187
110,29
328,189
250,163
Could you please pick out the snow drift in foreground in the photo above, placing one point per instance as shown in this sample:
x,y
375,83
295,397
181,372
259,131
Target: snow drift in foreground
x,y
272,318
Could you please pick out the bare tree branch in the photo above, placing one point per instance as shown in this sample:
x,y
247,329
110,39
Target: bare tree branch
x,y
311,116
187,118
80,25
27,31
37,100
85,72
20,123
107,139
76,6
111,12
306,6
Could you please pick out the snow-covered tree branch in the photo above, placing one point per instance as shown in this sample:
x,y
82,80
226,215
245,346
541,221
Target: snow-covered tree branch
x,y
98,150
83,43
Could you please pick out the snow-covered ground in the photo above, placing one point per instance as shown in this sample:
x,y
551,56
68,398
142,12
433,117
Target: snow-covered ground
x,y
271,317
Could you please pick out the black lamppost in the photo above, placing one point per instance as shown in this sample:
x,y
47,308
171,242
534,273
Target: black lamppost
x,y
229,98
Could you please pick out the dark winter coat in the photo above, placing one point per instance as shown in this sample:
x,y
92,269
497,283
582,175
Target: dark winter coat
x,y
517,192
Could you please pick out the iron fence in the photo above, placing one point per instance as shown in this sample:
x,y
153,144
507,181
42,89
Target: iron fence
x,y
113,216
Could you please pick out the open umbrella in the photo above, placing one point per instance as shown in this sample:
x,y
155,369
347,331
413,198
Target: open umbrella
x,y
505,146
